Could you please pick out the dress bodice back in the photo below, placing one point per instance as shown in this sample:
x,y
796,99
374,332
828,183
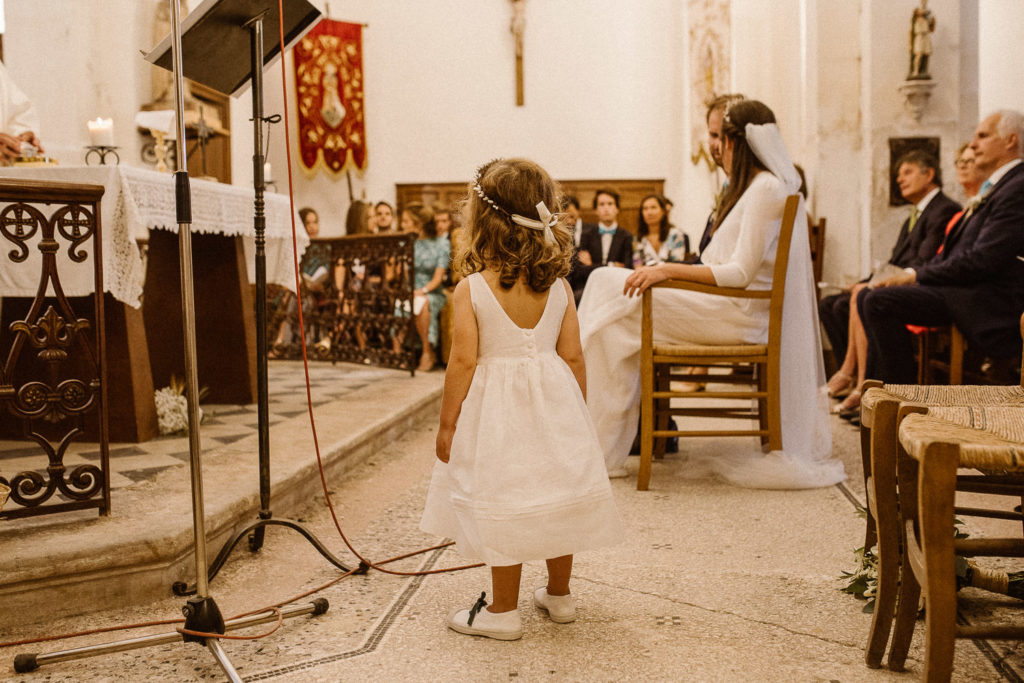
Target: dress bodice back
x,y
500,338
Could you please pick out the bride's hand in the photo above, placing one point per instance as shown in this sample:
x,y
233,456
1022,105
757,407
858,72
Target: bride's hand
x,y
642,278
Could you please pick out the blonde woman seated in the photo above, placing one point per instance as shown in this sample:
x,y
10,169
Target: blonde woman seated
x,y
741,254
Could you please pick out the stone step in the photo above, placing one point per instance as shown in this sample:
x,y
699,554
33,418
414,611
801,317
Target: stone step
x,y
78,563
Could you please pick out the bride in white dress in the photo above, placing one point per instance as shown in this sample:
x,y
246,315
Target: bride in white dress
x,y
741,254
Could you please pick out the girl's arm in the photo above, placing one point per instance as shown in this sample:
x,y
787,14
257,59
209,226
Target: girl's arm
x,y
568,346
461,367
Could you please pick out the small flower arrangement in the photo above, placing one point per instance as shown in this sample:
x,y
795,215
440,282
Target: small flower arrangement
x,y
863,580
172,407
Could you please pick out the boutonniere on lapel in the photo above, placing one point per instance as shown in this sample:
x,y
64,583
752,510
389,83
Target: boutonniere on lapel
x,y
977,200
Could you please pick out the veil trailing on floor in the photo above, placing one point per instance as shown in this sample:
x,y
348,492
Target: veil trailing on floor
x,y
806,460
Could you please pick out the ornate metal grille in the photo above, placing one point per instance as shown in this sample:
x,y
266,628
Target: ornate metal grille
x,y
356,302
54,359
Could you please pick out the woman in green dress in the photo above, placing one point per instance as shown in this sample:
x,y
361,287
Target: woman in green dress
x,y
431,258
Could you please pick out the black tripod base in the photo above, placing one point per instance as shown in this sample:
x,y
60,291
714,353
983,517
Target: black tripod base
x,y
24,664
204,618
182,588
203,615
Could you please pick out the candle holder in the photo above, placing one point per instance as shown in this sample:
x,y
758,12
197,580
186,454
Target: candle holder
x,y
101,152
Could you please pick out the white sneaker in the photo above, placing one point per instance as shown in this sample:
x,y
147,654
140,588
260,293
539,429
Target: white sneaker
x,y
560,608
618,473
477,621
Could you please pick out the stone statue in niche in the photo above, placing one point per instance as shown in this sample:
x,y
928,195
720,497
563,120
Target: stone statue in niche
x,y
922,25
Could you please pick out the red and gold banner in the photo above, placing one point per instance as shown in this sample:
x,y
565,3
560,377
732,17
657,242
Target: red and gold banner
x,y
329,93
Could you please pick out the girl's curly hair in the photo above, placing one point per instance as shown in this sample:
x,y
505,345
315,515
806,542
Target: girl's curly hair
x,y
515,186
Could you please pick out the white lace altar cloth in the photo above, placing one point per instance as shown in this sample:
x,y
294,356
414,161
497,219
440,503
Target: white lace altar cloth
x,y
137,200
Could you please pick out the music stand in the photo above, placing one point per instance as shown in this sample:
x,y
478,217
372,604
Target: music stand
x,y
215,41
215,33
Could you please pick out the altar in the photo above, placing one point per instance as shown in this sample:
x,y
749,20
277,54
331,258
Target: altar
x,y
142,284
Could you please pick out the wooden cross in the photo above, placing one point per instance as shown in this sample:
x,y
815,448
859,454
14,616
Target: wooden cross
x,y
517,27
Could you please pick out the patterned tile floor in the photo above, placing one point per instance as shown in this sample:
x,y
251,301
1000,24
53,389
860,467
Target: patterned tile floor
x,y
132,463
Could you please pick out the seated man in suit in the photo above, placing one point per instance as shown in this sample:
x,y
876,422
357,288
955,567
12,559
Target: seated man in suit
x,y
607,244
581,262
977,282
920,181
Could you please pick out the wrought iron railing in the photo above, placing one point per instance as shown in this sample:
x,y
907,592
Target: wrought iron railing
x,y
356,303
53,373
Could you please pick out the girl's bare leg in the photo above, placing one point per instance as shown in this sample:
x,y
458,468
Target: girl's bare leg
x,y
505,588
559,573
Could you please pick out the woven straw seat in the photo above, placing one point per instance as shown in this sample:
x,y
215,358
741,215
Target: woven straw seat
x,y
995,412
979,449
941,395
658,359
932,451
703,350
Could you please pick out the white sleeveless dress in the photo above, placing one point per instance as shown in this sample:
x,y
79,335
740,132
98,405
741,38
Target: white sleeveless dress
x,y
526,479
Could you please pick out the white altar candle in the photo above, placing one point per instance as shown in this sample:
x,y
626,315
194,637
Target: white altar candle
x,y
266,171
101,132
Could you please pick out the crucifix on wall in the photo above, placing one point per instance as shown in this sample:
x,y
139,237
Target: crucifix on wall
x,y
518,26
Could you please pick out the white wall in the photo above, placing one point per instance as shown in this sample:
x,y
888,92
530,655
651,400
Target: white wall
x,y
1002,76
78,60
602,89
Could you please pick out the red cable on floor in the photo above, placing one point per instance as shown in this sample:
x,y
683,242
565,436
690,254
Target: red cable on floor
x,y
316,445
302,335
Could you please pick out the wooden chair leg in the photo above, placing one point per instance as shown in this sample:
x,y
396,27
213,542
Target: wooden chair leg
x,y
763,420
936,492
956,356
870,535
883,508
662,382
924,357
773,382
910,589
643,478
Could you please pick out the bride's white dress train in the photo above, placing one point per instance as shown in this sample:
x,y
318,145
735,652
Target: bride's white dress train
x,y
741,254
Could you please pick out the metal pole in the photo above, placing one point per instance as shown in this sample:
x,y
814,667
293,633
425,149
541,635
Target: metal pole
x,y
188,313
255,25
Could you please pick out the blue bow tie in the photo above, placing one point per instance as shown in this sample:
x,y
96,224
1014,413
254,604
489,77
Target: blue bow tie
x,y
606,231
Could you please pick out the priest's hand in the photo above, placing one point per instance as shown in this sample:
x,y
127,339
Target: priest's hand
x,y
33,139
642,278
10,145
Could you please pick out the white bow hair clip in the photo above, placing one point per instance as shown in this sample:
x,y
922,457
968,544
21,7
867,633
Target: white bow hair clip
x,y
547,221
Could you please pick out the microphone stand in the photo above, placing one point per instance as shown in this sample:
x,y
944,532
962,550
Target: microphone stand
x,y
201,612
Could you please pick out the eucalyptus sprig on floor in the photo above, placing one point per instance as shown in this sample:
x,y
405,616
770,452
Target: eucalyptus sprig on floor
x,y
862,582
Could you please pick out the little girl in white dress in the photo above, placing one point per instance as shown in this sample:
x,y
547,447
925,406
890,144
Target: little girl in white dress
x,y
520,475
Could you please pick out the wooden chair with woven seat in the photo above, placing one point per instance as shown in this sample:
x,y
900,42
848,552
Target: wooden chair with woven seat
x,y
930,454
928,395
658,360
885,499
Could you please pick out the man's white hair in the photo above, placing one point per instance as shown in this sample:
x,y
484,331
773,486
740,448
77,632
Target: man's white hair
x,y
1011,122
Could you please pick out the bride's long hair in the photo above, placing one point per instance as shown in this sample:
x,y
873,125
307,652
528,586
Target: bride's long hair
x,y
745,163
